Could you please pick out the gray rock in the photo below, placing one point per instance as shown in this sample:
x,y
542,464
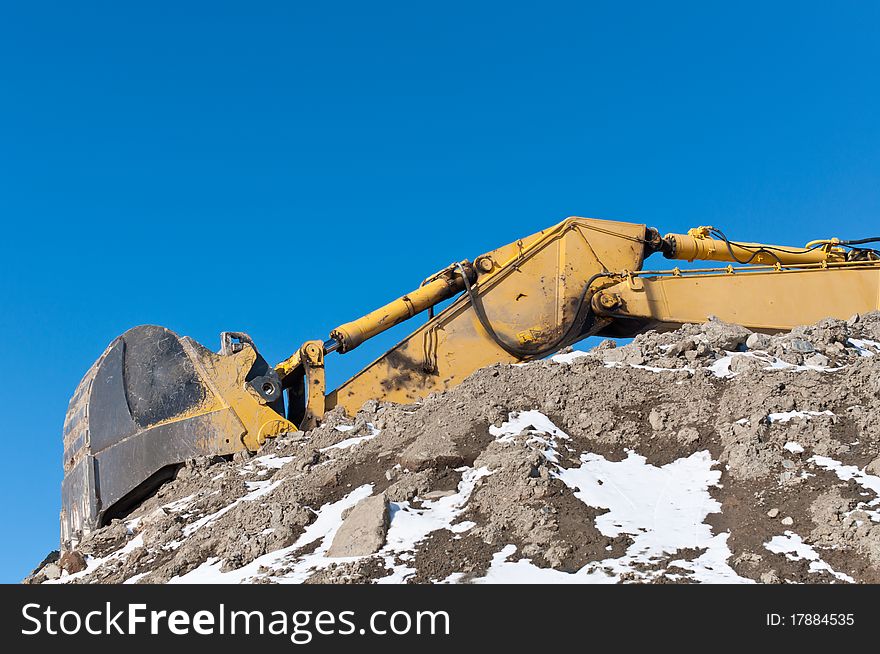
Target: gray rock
x,y
431,450
725,336
787,521
770,577
873,468
802,346
52,571
688,435
772,513
740,363
656,419
758,342
364,529
816,360
682,346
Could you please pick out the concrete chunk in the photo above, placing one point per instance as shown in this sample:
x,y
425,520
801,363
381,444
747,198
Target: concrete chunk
x,y
364,529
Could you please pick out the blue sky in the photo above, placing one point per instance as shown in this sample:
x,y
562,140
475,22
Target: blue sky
x,y
280,168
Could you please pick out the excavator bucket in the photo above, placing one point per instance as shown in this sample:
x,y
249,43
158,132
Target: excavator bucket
x,y
152,401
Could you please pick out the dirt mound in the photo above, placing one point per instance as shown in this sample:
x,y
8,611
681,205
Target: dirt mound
x,y
706,454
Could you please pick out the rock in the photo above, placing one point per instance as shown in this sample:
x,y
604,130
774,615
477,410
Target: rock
x,y
770,577
52,571
800,345
758,342
725,336
816,360
432,451
307,461
682,346
631,354
688,435
73,562
788,521
873,468
740,363
657,419
364,529
436,495
409,485
772,513
606,344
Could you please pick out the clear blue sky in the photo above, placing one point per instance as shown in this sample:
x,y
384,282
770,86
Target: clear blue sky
x,y
166,162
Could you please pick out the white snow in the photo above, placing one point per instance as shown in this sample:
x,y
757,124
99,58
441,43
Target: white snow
x,y
795,549
845,473
134,579
794,448
351,442
785,416
662,508
539,427
620,364
866,348
179,505
257,489
568,357
93,564
273,461
523,571
721,367
410,525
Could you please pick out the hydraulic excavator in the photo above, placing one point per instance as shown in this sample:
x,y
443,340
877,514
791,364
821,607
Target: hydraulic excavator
x,y
154,399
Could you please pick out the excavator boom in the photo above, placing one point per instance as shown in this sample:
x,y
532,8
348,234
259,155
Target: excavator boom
x,y
155,399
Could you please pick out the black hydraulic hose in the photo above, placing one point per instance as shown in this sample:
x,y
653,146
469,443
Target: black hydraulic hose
x,y
770,249
526,353
862,241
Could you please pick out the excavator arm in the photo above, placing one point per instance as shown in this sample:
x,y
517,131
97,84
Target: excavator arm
x,y
154,399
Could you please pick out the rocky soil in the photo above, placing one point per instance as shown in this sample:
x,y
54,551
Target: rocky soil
x,y
709,454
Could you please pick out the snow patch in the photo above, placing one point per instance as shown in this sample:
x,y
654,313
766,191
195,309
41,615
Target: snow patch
x,y
410,525
786,416
257,490
568,357
351,442
273,461
865,347
869,482
662,509
795,549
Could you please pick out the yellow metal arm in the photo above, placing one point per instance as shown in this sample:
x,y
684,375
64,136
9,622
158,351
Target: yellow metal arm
x,y
697,244
440,287
765,298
